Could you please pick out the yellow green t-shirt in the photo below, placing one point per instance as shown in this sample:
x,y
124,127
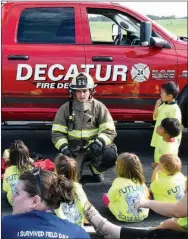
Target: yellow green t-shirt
x,y
168,188
183,222
122,196
166,111
74,212
164,147
10,180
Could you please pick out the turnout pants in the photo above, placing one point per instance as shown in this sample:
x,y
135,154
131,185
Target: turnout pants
x,y
101,163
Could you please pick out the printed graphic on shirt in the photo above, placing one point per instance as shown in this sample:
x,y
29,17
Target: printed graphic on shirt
x,y
177,192
132,194
13,186
10,186
11,178
71,212
41,234
131,198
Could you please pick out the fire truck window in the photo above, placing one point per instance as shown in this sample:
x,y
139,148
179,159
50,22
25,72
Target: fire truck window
x,y
127,28
47,26
101,29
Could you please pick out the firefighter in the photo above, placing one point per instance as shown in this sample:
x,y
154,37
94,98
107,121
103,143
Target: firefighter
x,y
84,129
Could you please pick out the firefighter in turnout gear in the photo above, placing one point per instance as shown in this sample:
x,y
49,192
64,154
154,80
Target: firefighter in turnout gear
x,y
84,129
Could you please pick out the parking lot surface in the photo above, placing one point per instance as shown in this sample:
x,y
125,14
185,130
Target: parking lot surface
x,y
129,140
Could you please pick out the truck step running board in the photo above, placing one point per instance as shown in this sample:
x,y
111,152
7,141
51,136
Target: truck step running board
x,y
48,126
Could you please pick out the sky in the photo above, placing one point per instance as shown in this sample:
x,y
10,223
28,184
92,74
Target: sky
x,y
159,8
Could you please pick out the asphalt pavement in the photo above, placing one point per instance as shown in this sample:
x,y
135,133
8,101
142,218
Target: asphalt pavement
x,y
129,140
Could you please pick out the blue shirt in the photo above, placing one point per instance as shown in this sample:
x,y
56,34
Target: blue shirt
x,y
40,224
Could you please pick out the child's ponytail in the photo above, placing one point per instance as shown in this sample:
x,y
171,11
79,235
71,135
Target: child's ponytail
x,y
19,156
66,166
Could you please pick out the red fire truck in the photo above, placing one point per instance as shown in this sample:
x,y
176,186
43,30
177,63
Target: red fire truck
x,y
44,43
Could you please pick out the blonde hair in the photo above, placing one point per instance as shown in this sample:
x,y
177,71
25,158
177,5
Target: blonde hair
x,y
128,165
171,163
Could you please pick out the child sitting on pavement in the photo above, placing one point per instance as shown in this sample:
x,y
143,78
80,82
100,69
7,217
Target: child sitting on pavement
x,y
175,228
170,187
73,212
166,107
177,210
19,162
128,187
169,129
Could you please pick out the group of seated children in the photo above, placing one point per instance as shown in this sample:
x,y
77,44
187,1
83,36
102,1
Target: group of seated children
x,y
167,182
127,188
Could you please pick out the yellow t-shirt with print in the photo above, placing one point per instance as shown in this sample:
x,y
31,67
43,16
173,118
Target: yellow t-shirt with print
x,y
164,147
166,111
122,196
10,180
168,188
183,222
74,212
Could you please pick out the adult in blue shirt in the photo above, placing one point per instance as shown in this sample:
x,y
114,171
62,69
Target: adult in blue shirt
x,y
36,195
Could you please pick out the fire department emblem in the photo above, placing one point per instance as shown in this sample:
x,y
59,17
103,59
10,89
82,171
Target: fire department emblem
x,y
140,72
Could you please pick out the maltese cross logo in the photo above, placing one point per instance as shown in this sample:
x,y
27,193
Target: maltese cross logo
x,y
140,72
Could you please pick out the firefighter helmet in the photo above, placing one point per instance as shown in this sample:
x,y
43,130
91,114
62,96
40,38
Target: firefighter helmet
x,y
82,81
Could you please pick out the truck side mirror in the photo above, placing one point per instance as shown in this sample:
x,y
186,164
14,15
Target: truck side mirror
x,y
159,43
115,31
145,33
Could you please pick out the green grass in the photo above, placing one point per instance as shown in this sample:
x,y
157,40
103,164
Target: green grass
x,y
102,31
177,26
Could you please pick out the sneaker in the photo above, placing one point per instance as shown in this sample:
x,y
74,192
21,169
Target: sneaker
x,y
97,177
94,217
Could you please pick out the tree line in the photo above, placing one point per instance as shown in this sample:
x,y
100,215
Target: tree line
x,y
153,17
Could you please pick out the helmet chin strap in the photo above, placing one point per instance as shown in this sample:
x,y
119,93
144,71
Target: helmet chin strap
x,y
91,93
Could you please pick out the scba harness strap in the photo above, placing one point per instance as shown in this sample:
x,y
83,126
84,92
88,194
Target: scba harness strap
x,y
71,122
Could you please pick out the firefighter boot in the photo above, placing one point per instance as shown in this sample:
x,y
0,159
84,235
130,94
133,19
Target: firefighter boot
x,y
98,177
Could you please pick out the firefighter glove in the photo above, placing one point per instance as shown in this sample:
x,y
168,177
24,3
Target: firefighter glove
x,y
65,151
96,147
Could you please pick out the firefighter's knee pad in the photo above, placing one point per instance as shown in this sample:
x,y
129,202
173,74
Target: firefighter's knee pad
x,y
110,156
107,159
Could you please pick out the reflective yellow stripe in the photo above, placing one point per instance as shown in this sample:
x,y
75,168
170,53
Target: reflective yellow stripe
x,y
61,142
60,128
106,125
95,170
83,133
89,133
91,141
106,139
